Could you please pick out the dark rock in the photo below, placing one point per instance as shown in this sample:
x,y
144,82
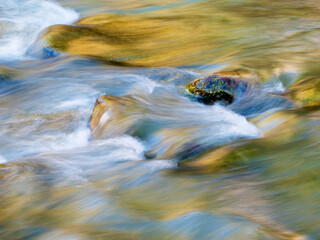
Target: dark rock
x,y
225,87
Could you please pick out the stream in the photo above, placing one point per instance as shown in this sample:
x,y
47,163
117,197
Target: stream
x,y
166,166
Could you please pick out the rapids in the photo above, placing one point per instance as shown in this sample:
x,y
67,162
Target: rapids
x,y
160,165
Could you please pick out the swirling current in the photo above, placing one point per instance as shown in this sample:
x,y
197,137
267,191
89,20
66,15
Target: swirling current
x,y
100,137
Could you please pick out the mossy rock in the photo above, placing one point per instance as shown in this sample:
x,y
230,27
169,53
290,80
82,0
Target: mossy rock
x,y
225,87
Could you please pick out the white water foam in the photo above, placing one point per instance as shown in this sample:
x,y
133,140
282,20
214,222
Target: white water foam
x,y
228,123
223,125
22,20
2,160
121,148
204,126
48,143
78,138
275,87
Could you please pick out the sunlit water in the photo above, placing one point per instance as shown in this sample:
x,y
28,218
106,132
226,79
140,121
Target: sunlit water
x,y
167,167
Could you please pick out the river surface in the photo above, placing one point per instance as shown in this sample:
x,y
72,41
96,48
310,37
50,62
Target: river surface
x,y
185,170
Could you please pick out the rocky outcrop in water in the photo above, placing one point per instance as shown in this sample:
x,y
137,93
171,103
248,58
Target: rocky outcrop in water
x,y
225,87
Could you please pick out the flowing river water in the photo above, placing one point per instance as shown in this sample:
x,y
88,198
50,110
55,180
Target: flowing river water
x,y
166,167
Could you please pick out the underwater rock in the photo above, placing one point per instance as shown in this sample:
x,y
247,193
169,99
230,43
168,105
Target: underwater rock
x,y
212,160
6,74
44,53
112,116
136,39
223,87
39,50
306,91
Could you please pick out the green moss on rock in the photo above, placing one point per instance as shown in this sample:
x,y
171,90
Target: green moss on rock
x,y
223,87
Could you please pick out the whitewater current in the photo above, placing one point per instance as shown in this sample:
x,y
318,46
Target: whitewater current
x,y
22,20
158,165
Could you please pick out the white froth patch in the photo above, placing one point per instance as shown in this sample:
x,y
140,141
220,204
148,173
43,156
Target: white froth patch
x,y
24,19
147,85
78,138
74,103
142,85
156,165
274,87
2,160
227,126
62,141
124,147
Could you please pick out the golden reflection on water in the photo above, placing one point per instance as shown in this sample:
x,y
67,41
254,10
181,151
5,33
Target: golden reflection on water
x,y
259,35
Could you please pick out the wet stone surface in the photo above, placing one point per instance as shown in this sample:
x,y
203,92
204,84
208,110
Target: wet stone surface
x,y
224,87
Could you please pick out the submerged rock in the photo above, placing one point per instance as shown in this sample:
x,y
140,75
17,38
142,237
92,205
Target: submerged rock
x,y
119,39
113,116
306,91
140,39
223,87
42,52
6,74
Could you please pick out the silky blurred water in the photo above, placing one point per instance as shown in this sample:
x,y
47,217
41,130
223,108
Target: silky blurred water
x,y
164,166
